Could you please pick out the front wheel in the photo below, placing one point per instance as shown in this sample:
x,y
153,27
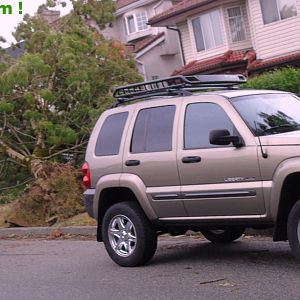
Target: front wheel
x,y
128,236
293,229
223,235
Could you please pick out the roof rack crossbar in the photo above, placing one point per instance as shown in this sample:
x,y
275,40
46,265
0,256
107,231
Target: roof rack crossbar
x,y
151,95
176,85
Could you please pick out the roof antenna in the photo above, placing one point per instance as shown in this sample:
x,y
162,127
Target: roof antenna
x,y
264,154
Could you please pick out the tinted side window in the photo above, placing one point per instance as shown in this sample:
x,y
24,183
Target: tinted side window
x,y
153,130
200,119
109,138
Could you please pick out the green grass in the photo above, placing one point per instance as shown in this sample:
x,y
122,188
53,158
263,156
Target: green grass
x,y
8,196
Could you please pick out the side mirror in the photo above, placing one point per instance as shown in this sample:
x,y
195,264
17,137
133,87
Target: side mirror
x,y
223,137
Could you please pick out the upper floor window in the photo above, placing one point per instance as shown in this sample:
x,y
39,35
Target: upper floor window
x,y
136,22
208,31
236,24
275,10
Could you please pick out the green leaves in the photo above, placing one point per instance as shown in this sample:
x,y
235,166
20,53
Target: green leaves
x,y
29,98
56,134
47,95
25,69
32,115
287,79
6,107
100,11
55,92
28,27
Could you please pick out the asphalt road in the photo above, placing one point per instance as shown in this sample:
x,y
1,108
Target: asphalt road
x,y
183,268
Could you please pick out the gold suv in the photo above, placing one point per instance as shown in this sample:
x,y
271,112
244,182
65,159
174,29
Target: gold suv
x,y
197,153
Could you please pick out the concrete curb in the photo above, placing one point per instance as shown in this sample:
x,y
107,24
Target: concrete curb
x,y
25,231
82,230
262,232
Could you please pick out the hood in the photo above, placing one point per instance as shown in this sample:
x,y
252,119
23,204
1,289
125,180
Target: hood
x,y
281,139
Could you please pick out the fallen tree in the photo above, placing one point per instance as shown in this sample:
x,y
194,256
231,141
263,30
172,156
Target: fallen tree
x,y
51,96
54,197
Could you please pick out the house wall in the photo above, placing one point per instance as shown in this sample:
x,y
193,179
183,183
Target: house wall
x,y
159,65
115,30
162,6
159,60
186,42
277,38
136,35
118,29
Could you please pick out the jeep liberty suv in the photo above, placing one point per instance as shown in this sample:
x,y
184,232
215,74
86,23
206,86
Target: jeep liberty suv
x,y
216,161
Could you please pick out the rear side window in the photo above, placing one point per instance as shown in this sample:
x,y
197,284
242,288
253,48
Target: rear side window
x,y
153,130
109,138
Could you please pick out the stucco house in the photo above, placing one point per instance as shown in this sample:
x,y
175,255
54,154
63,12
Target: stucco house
x,y
155,49
247,36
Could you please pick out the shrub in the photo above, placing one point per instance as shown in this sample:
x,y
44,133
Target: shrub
x,y
287,79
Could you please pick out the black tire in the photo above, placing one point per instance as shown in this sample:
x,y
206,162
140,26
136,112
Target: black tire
x,y
124,249
223,236
293,229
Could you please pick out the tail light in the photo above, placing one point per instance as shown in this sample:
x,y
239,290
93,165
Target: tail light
x,y
87,175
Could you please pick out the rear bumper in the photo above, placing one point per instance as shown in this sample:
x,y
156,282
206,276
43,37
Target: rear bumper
x,y
89,201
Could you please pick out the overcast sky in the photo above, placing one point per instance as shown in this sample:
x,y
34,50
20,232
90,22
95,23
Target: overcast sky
x,y
9,22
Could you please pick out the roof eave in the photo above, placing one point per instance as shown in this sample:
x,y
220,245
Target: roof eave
x,y
182,14
172,21
150,46
221,67
124,9
281,64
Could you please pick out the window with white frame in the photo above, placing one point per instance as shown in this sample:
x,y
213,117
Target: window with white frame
x,y
236,24
275,10
208,31
136,22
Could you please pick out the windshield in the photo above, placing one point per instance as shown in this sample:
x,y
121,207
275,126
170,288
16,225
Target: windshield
x,y
267,114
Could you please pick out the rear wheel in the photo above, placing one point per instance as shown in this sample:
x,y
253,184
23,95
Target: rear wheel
x,y
223,235
128,236
293,229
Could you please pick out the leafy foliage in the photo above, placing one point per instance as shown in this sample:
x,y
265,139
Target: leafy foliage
x,y
51,96
100,11
287,79
13,179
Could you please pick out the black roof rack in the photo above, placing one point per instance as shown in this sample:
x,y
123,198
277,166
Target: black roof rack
x,y
176,85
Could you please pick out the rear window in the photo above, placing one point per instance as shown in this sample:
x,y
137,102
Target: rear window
x,y
110,135
153,130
